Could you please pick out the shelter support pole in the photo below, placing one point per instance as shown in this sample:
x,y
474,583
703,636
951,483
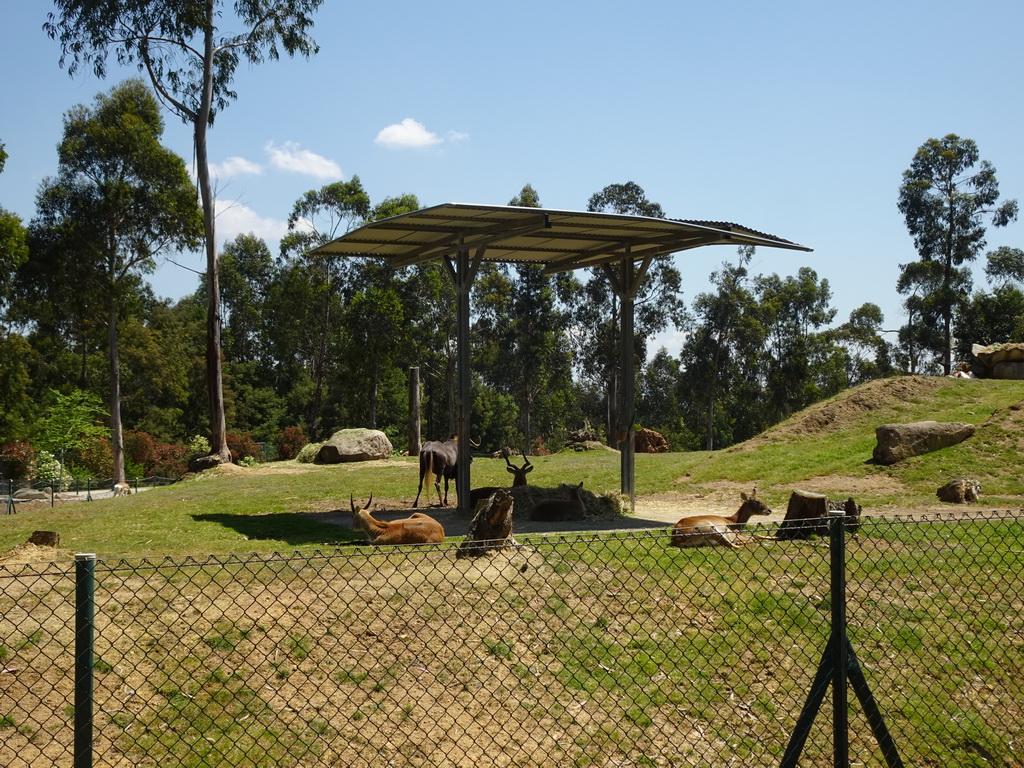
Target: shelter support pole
x,y
627,366
626,285
463,275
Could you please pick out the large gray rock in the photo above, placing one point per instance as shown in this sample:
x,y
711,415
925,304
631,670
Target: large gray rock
x,y
32,494
354,445
897,442
999,361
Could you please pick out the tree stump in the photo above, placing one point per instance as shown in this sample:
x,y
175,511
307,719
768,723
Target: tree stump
x,y
491,529
45,539
807,512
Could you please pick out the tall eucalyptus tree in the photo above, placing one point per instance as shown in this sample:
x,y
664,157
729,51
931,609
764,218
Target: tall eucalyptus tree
x,y
120,200
191,62
945,195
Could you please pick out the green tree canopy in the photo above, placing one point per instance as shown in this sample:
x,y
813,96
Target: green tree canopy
x,y
191,62
120,199
946,193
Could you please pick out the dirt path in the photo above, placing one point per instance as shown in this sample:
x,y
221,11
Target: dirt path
x,y
657,511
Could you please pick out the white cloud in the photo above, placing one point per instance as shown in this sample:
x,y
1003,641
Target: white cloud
x,y
407,134
457,137
291,157
235,219
235,166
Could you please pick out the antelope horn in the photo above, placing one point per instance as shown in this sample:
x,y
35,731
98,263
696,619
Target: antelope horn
x,y
369,502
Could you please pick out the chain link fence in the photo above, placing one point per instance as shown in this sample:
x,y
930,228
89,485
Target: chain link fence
x,y
603,650
15,492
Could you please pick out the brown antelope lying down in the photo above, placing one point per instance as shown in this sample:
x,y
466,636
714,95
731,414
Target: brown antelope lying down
x,y
713,530
556,510
416,529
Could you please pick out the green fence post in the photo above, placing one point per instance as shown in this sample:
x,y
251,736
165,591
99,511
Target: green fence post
x,y
840,664
85,573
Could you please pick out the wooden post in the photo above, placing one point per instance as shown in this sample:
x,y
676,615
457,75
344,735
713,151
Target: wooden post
x,y
414,411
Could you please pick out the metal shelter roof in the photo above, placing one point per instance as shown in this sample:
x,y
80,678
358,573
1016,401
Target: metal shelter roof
x,y
463,235
560,240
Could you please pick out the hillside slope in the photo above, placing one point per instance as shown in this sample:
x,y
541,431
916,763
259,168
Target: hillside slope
x,y
828,447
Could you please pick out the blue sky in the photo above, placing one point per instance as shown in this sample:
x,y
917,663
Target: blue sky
x,y
793,118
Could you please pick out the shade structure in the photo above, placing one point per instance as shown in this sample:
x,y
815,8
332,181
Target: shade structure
x,y
462,236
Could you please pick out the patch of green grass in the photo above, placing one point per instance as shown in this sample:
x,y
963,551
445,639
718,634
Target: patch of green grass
x,y
299,646
498,648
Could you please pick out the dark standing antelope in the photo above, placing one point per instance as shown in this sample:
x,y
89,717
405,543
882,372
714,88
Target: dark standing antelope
x,y
438,459
518,479
415,529
714,530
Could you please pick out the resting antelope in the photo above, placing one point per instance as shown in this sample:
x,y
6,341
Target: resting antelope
x,y
518,479
415,529
552,510
122,489
714,530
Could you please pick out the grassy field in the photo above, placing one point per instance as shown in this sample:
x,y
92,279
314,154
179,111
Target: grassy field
x,y
827,447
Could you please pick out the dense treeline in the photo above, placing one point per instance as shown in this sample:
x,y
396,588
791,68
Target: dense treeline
x,y
313,343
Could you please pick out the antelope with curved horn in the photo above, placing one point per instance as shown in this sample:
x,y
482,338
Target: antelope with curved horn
x,y
714,530
518,479
415,529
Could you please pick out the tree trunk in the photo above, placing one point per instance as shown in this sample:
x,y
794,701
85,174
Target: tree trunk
x,y
116,431
414,411
374,384
214,375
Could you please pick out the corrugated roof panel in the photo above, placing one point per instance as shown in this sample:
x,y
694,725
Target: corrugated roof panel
x,y
561,239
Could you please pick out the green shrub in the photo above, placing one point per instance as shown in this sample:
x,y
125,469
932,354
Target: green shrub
x,y
308,453
197,446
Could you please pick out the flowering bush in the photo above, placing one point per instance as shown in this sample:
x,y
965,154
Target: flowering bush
x,y
290,441
242,444
538,448
169,460
20,459
49,470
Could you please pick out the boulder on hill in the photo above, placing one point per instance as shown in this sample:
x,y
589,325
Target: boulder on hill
x,y
354,445
896,442
999,361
